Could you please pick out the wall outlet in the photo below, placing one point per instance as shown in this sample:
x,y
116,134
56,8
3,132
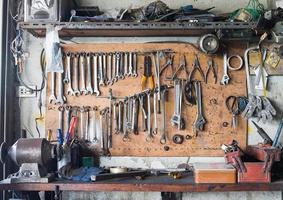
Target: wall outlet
x,y
24,92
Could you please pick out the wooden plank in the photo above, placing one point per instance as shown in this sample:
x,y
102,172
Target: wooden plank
x,y
207,143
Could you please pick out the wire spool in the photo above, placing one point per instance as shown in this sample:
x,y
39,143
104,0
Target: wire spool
x,y
209,43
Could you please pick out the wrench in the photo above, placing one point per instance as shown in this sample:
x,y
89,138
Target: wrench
x,y
118,66
70,90
225,78
120,117
95,139
144,115
125,130
76,75
114,62
200,120
163,138
109,70
95,77
135,115
66,79
61,99
52,97
68,116
104,57
121,66
155,129
115,118
176,119
82,120
101,73
82,73
61,118
149,131
130,73
87,137
135,67
126,63
156,64
89,84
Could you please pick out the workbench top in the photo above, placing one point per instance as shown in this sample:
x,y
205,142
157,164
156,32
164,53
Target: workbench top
x,y
152,183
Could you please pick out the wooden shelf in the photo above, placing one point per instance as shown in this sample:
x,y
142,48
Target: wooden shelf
x,y
125,29
153,183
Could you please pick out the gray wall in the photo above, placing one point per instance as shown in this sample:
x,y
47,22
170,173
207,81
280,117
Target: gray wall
x,y
29,108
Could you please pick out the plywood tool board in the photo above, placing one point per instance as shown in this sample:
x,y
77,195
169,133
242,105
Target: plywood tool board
x,y
207,143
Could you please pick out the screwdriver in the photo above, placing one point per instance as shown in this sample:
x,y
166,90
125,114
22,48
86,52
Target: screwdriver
x,y
147,75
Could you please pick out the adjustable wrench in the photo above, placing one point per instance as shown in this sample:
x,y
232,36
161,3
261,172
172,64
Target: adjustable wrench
x,y
200,120
101,73
149,131
89,84
66,80
109,69
52,97
95,77
76,75
135,66
176,119
82,73
225,78
61,99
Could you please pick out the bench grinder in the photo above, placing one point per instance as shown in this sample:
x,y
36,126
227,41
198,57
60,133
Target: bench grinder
x,y
34,157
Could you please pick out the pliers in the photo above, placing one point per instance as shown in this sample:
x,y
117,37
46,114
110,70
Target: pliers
x,y
147,75
211,66
168,64
196,67
181,67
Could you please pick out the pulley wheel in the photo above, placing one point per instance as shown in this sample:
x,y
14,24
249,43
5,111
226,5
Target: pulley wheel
x,y
209,43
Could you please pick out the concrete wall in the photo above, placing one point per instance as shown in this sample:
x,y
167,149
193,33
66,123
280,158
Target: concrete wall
x,y
29,108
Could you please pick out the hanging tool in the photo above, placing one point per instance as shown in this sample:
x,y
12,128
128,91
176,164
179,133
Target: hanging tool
x,y
182,67
211,67
147,75
168,66
196,67
263,134
232,106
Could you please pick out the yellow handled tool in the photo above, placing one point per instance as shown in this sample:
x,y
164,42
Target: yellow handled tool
x,y
147,75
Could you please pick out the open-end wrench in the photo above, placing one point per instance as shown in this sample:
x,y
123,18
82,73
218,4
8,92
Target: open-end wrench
x,y
155,126
135,65
130,73
120,116
225,78
82,120
95,75
52,97
125,120
66,79
129,114
104,58
156,64
101,130
135,115
89,84
68,116
200,120
61,118
87,135
121,72
115,118
70,90
118,66
95,139
100,67
144,115
163,138
82,74
126,63
109,69
61,99
114,58
149,131
76,75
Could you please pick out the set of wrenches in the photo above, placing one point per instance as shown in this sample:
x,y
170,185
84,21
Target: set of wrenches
x,y
85,73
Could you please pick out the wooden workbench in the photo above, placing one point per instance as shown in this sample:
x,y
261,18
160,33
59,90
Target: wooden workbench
x,y
149,184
